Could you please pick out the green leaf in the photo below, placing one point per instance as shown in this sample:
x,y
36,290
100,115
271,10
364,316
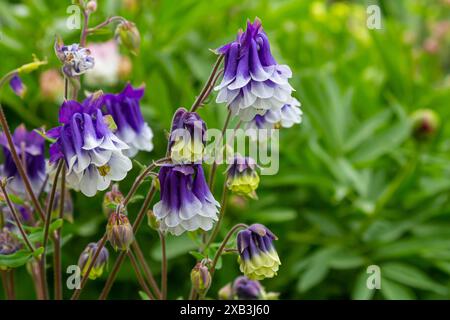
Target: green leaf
x,y
360,290
16,259
395,291
143,295
411,276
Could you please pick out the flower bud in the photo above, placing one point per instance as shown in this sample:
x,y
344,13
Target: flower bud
x,y
246,289
201,278
425,123
91,6
119,231
100,263
243,178
111,200
128,35
226,293
152,220
17,86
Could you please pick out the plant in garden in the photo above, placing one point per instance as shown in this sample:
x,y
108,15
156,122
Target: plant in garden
x,y
93,146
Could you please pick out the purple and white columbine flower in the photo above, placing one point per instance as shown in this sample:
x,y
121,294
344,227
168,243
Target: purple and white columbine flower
x,y
186,203
246,289
285,117
126,112
258,258
253,82
187,137
76,59
92,153
30,149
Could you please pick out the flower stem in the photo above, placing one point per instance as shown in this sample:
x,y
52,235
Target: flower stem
x,y
57,272
147,271
85,278
212,173
162,238
119,261
105,23
209,83
16,218
139,275
14,154
219,252
223,205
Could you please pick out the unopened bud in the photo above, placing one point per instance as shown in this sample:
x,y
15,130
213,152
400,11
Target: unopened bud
x,y
111,200
86,259
425,123
201,278
91,6
226,293
152,220
128,35
119,232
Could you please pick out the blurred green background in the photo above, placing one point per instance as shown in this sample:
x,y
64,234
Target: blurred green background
x,y
354,188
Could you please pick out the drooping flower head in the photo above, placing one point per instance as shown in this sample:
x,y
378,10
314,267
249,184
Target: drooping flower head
x,y
17,86
100,263
246,289
200,278
285,117
186,203
187,137
30,149
76,59
253,82
93,154
119,231
126,113
243,178
258,258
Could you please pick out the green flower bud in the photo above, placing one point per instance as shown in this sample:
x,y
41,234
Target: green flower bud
x,y
119,232
201,278
111,200
128,35
425,123
152,221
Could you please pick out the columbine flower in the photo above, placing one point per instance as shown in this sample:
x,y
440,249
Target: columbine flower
x,y
76,59
30,149
119,231
17,86
285,117
186,201
200,278
100,263
246,289
253,82
92,153
187,137
107,61
126,113
258,258
243,178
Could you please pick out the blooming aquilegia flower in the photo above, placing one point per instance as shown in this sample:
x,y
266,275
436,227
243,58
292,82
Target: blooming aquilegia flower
x,y
242,177
258,258
100,263
76,59
17,86
126,113
285,117
253,82
187,137
30,149
186,203
92,153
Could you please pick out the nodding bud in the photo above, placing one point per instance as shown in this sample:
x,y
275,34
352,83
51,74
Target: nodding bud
x,y
201,278
119,231
425,124
91,6
111,200
128,35
226,293
17,86
86,259
152,220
